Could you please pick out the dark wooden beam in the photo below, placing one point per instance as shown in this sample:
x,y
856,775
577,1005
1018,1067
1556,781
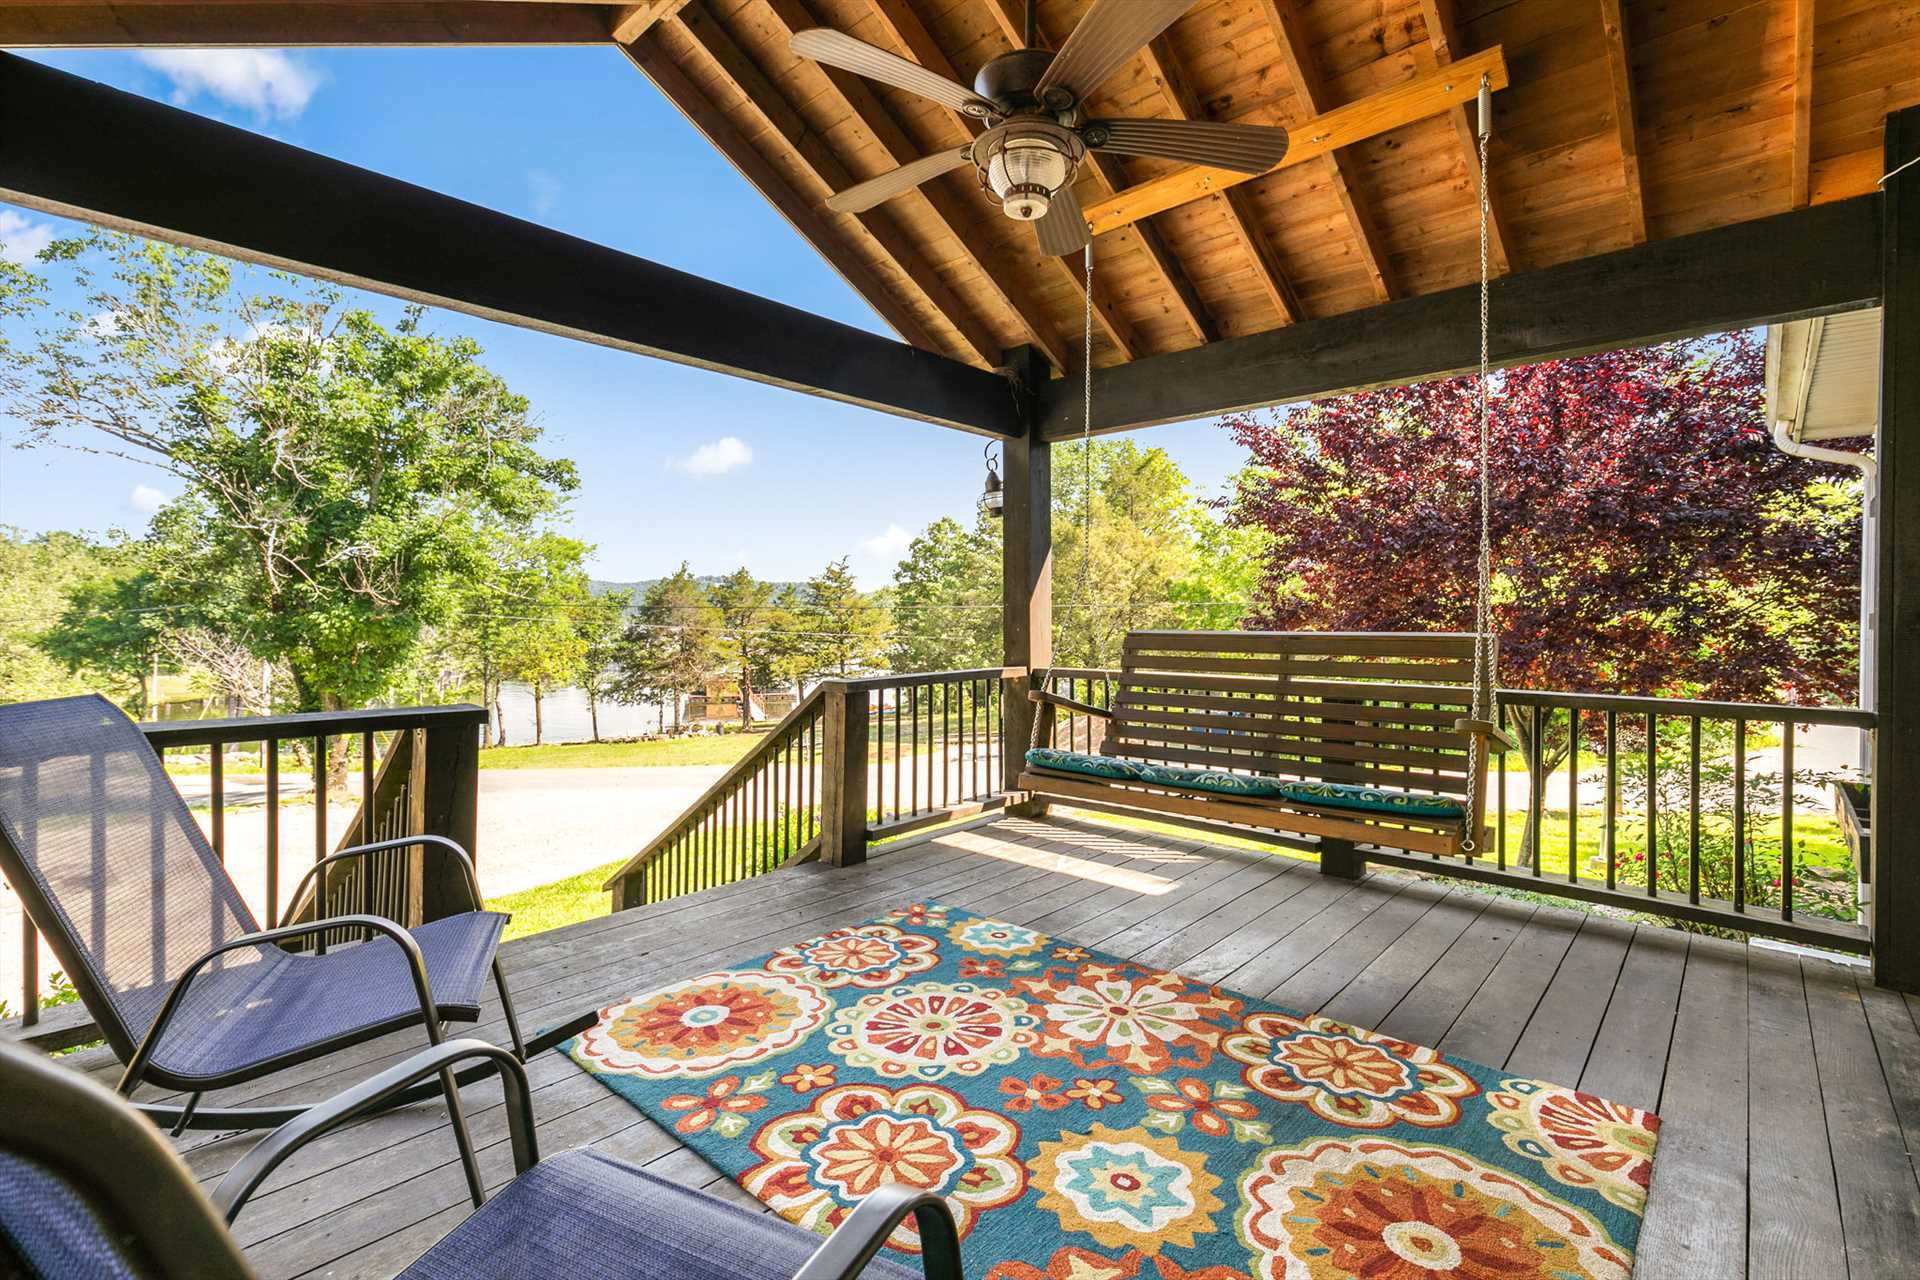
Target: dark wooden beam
x,y
1896,640
205,26
1026,564
81,150
1808,262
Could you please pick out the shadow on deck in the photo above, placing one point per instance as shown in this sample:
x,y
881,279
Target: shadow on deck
x,y
1763,1064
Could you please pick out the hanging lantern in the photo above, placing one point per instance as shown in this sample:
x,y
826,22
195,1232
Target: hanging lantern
x,y
994,497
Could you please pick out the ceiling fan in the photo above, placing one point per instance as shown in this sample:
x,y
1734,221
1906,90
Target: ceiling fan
x,y
1036,135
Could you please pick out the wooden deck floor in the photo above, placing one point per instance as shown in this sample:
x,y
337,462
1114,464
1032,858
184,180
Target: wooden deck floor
x,y
1790,1088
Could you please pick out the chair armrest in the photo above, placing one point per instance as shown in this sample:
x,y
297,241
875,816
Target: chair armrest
x,y
1071,704
416,963
440,843
1495,736
369,1095
857,1239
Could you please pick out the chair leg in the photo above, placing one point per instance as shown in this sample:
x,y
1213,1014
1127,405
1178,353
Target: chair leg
x,y
186,1116
506,1006
457,1116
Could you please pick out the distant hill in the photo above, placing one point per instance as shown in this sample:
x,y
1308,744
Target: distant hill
x,y
707,582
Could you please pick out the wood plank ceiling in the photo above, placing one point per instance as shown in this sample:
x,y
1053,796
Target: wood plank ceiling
x,y
1625,121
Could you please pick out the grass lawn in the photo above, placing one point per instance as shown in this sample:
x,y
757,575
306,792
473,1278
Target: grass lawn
x,y
705,748
548,906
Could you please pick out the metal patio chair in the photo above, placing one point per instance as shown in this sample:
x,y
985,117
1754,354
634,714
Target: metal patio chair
x,y
90,1192
188,989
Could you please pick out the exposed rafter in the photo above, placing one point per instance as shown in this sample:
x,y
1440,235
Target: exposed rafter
x,y
1443,38
807,151
1620,75
1802,188
636,20
1296,53
1163,64
854,95
1367,117
293,25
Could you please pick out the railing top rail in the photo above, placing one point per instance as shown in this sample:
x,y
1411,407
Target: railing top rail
x,y
919,678
1085,673
306,724
1852,717
806,709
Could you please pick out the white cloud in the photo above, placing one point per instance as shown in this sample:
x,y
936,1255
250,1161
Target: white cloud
x,y
146,499
266,82
890,545
21,238
546,191
103,324
717,457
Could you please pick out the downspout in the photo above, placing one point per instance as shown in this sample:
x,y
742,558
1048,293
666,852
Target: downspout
x,y
1869,568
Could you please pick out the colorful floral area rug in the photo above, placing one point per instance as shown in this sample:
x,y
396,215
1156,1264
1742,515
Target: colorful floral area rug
x,y
1091,1119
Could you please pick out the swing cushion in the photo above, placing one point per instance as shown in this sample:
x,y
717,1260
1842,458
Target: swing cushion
x,y
1349,795
1156,775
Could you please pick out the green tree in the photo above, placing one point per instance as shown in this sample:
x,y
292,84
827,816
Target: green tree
x,y
839,630
670,644
337,472
543,591
599,620
41,579
946,599
754,632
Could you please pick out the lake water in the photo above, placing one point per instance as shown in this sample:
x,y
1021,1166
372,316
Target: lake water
x,y
567,720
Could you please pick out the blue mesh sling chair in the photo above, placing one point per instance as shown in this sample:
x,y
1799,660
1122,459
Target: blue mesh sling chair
x,y
89,1191
188,989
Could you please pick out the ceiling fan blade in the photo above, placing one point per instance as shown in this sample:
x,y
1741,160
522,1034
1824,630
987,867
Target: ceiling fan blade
x,y
1248,148
1064,229
837,49
860,198
1111,32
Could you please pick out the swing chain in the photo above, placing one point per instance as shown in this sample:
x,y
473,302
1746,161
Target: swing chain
x,y
1483,674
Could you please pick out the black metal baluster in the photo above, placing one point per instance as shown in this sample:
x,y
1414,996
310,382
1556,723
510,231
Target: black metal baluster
x,y
363,870
913,768
1739,815
1536,798
1693,807
1573,795
1786,820
273,832
1653,806
1613,795
217,786
29,972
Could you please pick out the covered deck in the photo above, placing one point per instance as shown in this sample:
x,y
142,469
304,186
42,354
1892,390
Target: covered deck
x,y
1789,1086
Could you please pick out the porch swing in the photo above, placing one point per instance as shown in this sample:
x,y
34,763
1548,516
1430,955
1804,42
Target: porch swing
x,y
1344,739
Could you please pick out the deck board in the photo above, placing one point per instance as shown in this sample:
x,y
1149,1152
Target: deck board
x,y
1762,1063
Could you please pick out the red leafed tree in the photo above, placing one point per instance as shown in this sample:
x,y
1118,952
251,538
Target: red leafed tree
x,y
1648,538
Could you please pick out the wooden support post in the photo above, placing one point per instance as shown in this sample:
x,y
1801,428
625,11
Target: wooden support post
x,y
843,777
1026,569
450,807
1896,640
1341,859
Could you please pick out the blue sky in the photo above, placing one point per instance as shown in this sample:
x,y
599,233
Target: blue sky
x,y
676,464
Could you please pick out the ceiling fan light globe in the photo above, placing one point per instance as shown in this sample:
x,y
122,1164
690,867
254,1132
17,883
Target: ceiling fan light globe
x,y
1025,172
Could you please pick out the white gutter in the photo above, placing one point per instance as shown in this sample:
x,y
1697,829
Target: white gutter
x,y
1869,563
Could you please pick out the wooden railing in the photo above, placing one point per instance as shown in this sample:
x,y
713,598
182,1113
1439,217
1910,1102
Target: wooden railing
x,y
420,766
1693,775
763,813
856,761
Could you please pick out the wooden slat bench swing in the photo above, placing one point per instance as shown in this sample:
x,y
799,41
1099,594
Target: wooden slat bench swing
x,y
1369,732
1349,739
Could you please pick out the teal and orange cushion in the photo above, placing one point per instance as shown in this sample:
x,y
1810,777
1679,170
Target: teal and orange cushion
x,y
1348,795
1116,769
